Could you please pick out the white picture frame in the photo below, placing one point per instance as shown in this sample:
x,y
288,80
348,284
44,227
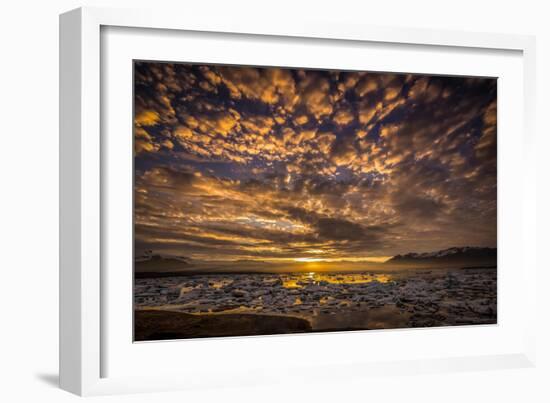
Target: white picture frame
x,y
85,343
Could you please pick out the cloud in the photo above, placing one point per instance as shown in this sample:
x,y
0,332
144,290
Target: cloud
x,y
147,118
343,152
315,95
223,123
367,112
301,120
366,85
418,206
165,177
486,146
141,145
339,229
343,117
259,124
270,86
268,162
168,144
325,142
183,132
391,93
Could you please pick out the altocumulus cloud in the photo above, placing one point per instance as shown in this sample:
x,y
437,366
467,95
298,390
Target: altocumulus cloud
x,y
245,162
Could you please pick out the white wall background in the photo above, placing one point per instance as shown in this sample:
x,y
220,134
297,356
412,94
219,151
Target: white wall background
x,y
29,198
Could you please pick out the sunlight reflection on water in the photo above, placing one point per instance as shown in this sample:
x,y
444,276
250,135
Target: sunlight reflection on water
x,y
333,300
303,279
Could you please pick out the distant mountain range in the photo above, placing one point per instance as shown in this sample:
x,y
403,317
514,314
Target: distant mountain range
x,y
456,256
154,263
160,258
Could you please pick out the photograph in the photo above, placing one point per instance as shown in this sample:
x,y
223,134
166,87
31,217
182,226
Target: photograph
x,y
217,202
284,200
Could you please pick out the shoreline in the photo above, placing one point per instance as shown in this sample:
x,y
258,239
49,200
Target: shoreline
x,y
156,324
396,268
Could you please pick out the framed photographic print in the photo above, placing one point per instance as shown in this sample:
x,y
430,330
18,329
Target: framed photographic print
x,y
273,200
232,197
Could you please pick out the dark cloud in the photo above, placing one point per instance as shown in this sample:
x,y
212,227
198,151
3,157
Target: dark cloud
x,y
339,229
419,207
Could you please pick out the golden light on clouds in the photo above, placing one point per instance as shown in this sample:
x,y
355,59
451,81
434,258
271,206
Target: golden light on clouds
x,y
311,167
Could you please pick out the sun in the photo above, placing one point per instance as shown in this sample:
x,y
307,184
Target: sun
x,y
307,259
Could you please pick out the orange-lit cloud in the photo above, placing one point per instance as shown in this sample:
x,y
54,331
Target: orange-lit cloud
x,y
254,163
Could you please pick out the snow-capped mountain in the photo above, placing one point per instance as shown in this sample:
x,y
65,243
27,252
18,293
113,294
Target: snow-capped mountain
x,y
467,255
157,263
150,257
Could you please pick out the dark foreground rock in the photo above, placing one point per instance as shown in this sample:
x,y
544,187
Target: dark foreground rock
x,y
167,325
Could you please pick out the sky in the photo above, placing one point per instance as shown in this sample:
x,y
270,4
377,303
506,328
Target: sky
x,y
276,164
